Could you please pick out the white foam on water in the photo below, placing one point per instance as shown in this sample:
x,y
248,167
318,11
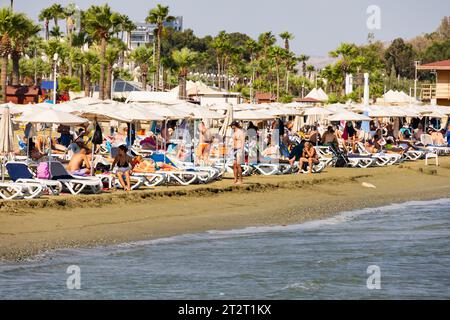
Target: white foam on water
x,y
342,217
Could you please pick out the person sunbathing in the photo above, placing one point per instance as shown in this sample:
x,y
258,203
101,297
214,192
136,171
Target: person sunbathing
x,y
145,166
79,164
309,156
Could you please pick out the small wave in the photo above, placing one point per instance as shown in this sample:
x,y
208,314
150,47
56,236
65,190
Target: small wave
x,y
342,217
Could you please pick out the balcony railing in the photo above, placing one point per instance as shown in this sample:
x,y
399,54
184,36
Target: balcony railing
x,y
435,91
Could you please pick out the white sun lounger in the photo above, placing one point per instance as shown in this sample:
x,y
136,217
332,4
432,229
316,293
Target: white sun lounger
x,y
75,185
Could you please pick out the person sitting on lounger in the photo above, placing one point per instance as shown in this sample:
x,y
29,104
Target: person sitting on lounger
x,y
297,152
80,163
309,156
329,138
124,167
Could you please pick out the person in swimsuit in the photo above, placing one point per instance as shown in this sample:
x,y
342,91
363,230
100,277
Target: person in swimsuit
x,y
124,167
80,163
309,156
238,151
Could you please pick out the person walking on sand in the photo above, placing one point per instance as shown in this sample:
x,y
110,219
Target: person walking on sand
x,y
238,151
124,167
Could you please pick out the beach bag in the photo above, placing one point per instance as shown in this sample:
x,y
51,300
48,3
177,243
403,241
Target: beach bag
x,y
43,171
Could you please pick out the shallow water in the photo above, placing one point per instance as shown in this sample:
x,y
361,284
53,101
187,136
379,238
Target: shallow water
x,y
328,259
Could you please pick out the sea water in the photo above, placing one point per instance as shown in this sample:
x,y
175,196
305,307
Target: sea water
x,y
400,251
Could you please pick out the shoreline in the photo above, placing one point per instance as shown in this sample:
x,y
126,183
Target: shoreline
x,y
28,228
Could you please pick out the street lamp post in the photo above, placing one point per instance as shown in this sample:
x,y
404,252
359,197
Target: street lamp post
x,y
55,60
416,64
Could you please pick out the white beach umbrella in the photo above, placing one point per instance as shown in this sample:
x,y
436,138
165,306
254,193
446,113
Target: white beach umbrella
x,y
6,132
384,113
51,116
227,122
250,115
317,111
348,116
132,113
12,108
164,111
280,111
201,113
337,107
6,136
220,106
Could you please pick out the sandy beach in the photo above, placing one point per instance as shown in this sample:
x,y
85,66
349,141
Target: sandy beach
x,y
30,227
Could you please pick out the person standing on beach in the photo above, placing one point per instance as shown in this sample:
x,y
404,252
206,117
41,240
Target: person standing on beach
x,y
238,151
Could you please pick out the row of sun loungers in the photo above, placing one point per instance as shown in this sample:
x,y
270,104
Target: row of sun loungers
x,y
23,183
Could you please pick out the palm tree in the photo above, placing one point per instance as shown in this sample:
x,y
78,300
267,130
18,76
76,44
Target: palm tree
x,y
90,60
99,22
20,43
310,69
287,37
56,32
10,24
278,55
126,25
112,56
303,59
159,16
142,56
57,12
69,12
184,59
45,15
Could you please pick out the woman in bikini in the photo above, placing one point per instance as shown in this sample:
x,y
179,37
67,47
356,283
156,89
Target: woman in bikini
x,y
309,156
124,167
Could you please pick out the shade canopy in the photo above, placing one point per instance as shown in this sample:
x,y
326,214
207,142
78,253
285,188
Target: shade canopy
x,y
52,116
137,113
252,115
282,111
201,113
348,116
316,111
12,108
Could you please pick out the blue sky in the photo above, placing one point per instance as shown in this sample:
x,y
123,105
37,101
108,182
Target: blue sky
x,y
319,25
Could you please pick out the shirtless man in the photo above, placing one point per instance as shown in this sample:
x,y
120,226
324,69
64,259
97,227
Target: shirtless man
x,y
80,164
238,151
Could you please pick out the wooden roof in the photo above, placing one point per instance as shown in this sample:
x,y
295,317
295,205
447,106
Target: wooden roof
x,y
438,65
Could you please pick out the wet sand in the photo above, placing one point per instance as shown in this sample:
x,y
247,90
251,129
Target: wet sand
x,y
30,227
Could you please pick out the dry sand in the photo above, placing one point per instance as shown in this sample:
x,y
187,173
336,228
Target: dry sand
x,y
30,227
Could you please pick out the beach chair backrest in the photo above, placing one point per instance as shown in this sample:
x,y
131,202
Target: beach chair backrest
x,y
426,140
57,171
18,171
159,157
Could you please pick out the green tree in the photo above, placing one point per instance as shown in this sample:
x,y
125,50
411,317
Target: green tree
x,y
57,13
113,52
184,60
20,43
99,22
159,16
10,25
400,55
142,57
287,37
279,56
90,62
46,15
